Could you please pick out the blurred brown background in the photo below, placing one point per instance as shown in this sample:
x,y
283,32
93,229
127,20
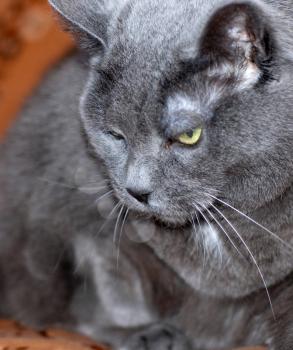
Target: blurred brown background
x,y
30,42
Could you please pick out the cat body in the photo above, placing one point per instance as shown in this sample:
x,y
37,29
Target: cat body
x,y
202,256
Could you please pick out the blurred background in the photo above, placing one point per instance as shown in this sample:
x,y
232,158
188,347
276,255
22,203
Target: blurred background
x,y
31,41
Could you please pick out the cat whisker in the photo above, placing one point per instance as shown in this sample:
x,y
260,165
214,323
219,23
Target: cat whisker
x,y
108,218
202,237
104,196
92,181
206,188
91,190
197,219
60,184
120,236
223,229
117,223
251,255
74,187
204,248
253,221
193,235
197,207
101,229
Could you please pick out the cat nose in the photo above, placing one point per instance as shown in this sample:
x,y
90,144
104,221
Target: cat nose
x,y
140,195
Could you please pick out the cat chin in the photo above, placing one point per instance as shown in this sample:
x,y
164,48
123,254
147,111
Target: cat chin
x,y
171,221
164,221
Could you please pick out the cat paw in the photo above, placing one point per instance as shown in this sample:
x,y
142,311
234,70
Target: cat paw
x,y
157,337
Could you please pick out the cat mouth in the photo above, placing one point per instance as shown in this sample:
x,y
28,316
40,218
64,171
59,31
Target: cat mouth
x,y
161,217
164,221
176,218
169,219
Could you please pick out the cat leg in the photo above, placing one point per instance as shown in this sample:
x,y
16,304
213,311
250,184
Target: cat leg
x,y
121,310
115,296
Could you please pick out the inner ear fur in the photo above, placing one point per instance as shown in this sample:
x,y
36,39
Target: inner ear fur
x,y
237,32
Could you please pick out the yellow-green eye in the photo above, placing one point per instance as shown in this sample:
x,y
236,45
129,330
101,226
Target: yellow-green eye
x,y
191,138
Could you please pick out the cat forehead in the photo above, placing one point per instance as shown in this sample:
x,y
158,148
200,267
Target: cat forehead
x,y
158,25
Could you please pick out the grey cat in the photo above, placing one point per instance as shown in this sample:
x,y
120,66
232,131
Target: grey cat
x,y
187,130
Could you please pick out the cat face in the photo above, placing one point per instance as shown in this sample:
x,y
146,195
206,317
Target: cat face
x,y
186,104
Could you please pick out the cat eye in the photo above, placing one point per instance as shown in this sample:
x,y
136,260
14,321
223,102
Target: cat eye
x,y
190,138
116,135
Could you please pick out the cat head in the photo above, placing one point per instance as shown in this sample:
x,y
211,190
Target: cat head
x,y
185,101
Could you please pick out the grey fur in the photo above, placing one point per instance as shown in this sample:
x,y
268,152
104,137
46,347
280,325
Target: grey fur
x,y
157,69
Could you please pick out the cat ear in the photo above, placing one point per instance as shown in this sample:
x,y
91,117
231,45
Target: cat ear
x,y
237,42
86,19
